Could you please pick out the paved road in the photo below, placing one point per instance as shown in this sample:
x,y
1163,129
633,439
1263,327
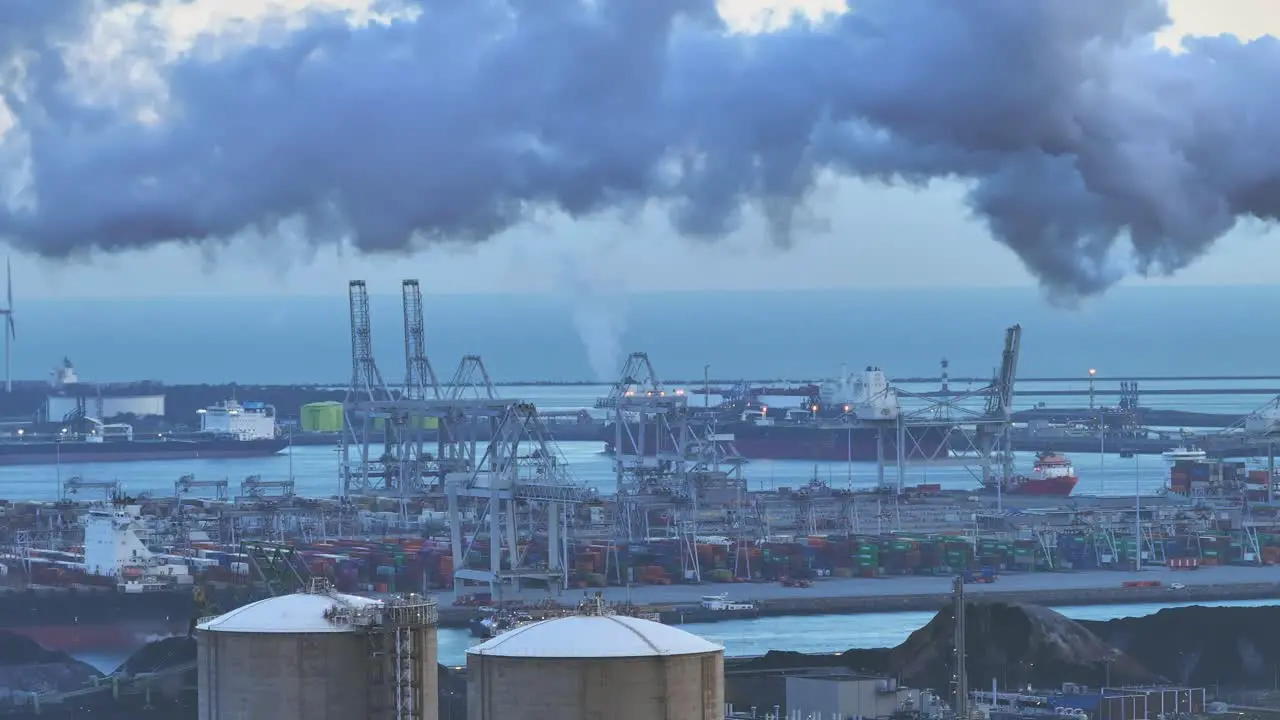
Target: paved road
x,y
919,585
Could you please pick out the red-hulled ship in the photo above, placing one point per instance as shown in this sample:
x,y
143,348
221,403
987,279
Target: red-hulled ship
x,y
1053,476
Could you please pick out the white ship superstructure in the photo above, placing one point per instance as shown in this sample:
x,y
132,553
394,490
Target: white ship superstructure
x,y
867,396
722,602
247,421
114,548
1182,452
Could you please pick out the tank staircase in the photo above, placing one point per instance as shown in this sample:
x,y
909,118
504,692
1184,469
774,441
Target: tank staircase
x,y
400,634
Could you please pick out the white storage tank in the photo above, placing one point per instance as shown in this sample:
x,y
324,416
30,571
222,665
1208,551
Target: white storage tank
x,y
595,667
318,655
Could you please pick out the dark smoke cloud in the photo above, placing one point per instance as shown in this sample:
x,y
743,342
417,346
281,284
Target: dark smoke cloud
x,y
1074,134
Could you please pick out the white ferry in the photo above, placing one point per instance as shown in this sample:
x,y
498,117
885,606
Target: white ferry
x,y
722,602
1183,452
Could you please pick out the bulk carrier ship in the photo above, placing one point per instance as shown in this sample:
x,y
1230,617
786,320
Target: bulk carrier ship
x,y
822,429
90,597
227,430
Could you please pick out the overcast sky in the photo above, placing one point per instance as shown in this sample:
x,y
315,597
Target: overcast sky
x,y
872,236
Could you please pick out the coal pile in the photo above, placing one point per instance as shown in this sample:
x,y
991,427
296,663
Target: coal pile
x,y
1237,647
1015,643
26,667
160,655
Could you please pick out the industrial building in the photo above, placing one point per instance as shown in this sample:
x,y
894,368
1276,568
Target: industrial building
x,y
320,654
69,397
595,665
1125,703
843,694
822,692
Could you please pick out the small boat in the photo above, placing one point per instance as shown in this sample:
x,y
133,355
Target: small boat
x,y
723,603
1182,452
495,623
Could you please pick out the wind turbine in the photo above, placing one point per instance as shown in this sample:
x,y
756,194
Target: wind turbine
x,y
9,334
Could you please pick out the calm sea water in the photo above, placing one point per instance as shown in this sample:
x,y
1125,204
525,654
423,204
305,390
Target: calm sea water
x,y
1155,331
315,469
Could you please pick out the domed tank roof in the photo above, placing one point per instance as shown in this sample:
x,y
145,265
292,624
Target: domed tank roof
x,y
296,613
594,636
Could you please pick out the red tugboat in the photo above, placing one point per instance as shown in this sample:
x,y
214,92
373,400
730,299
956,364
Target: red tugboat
x,y
1054,476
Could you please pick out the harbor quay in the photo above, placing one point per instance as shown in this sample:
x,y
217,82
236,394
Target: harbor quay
x,y
847,596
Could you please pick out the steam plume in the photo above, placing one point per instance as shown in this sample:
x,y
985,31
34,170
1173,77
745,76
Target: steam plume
x,y
597,292
1075,135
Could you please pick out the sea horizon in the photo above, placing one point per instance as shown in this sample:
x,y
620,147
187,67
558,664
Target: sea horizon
x,y
1199,330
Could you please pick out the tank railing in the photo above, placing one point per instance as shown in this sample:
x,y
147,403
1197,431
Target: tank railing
x,y
206,619
320,586
593,605
402,611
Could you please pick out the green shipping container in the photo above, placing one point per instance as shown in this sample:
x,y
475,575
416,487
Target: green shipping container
x,y
327,417
322,417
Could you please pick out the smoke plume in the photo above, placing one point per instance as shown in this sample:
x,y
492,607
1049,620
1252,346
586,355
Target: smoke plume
x,y
597,291
1078,140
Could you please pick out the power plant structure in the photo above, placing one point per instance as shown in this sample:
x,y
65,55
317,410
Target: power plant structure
x,y
319,654
595,665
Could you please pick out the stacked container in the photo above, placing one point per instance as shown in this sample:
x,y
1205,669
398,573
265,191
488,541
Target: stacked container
x,y
868,558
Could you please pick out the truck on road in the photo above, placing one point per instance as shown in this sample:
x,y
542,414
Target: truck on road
x,y
986,575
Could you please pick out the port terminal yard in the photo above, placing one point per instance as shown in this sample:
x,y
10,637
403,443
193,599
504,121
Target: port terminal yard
x,y
505,518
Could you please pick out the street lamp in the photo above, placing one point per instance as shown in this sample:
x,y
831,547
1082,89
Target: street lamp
x,y
1137,514
706,386
1102,426
57,449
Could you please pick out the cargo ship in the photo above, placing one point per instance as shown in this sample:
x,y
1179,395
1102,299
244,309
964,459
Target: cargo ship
x,y
227,430
1053,476
828,426
89,606
117,578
